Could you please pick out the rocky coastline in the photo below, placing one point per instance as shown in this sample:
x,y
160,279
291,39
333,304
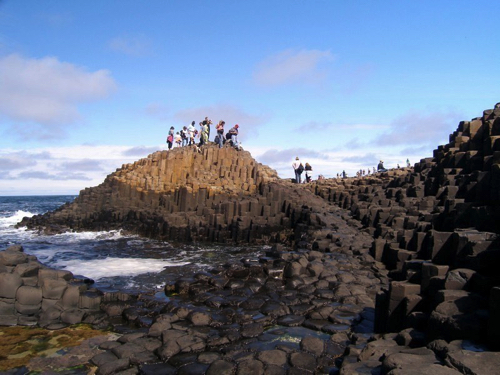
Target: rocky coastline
x,y
393,273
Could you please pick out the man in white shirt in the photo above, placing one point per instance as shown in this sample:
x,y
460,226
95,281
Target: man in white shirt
x,y
295,166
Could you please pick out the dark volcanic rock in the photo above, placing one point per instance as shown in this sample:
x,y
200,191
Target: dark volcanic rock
x,y
413,251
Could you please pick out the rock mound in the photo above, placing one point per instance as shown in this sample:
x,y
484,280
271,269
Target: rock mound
x,y
183,194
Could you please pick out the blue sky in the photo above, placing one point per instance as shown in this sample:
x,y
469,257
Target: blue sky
x,y
86,86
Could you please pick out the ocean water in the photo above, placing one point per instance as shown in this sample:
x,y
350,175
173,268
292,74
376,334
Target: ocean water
x,y
113,260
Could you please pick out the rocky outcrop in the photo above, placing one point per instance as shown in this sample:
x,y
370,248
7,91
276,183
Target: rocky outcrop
x,y
185,194
32,294
436,227
417,258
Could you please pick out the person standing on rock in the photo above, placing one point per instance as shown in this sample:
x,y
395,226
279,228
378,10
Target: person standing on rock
x,y
233,132
185,136
170,137
220,133
207,122
178,139
295,166
203,134
407,163
191,133
308,170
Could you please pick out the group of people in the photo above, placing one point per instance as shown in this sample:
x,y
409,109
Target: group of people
x,y
187,135
299,168
380,168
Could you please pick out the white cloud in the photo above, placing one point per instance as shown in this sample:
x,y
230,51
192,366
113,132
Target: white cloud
x,y
82,165
290,66
137,46
13,163
140,151
418,128
60,170
43,94
314,126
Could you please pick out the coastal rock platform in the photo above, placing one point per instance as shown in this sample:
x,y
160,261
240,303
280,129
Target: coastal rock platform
x,y
366,275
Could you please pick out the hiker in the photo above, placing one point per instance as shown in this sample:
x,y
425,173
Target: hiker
x,y
185,136
207,122
203,134
219,138
374,170
233,135
295,166
178,139
407,163
191,133
380,167
170,137
344,175
308,170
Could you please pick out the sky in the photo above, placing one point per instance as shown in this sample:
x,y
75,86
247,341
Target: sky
x,y
87,86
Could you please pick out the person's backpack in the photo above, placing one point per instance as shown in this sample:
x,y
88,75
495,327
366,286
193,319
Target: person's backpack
x,y
300,169
228,136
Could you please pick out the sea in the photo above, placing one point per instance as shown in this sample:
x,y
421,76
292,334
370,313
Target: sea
x,y
113,260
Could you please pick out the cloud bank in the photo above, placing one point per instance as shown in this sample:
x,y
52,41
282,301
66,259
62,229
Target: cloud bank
x,y
418,128
42,95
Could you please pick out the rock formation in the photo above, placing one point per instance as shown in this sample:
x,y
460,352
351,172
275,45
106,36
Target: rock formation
x,y
32,294
415,261
436,229
219,195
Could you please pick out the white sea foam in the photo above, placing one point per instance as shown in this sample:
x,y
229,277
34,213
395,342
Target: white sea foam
x,y
72,237
15,218
110,267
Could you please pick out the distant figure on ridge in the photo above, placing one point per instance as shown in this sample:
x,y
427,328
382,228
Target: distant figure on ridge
x,y
203,133
295,166
178,139
380,167
308,170
408,163
233,135
220,133
191,133
185,136
170,137
207,122
344,175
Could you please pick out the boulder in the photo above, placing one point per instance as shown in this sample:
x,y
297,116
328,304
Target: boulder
x,y
474,363
12,258
53,289
9,283
29,295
